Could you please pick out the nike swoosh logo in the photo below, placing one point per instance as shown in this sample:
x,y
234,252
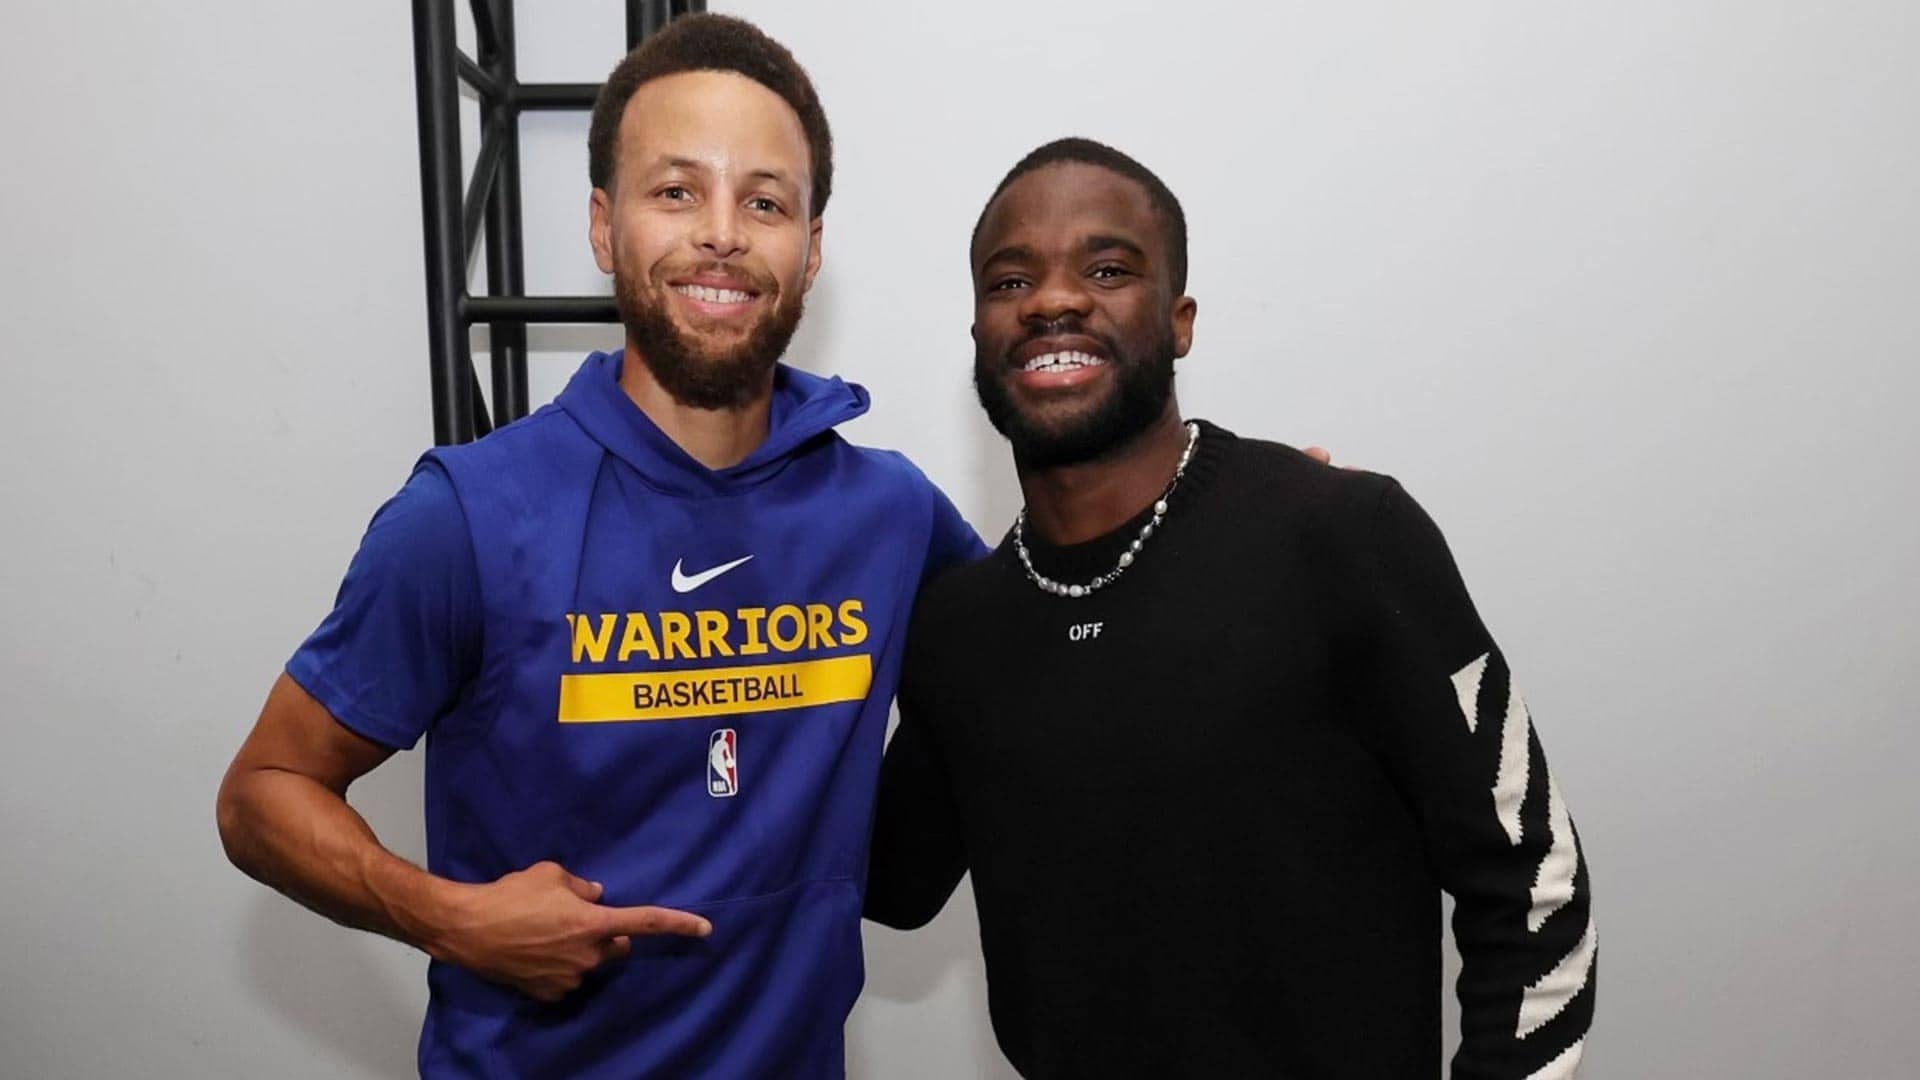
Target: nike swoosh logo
x,y
685,584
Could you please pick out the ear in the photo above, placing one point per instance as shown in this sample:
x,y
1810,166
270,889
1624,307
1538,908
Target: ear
x,y
600,229
1183,311
813,253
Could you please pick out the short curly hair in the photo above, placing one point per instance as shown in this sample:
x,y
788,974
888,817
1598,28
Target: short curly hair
x,y
711,43
1173,220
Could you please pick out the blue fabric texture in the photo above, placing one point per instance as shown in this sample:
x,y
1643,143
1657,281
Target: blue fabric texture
x,y
669,679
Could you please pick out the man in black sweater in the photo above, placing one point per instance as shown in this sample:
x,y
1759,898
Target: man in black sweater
x,y
1216,723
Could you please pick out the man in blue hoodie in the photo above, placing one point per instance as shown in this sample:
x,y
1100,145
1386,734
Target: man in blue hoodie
x,y
651,634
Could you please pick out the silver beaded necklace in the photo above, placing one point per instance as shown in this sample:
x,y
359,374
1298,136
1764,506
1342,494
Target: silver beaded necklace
x,y
1047,584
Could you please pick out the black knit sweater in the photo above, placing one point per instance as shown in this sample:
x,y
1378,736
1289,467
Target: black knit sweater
x,y
1209,810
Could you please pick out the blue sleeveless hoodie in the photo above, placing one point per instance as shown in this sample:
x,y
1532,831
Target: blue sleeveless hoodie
x,y
683,692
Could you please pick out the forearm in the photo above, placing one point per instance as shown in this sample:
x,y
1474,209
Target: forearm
x,y
911,875
303,839
1523,915
917,856
1526,997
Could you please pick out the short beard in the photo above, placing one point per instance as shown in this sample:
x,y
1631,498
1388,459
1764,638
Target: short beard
x,y
1141,391
694,376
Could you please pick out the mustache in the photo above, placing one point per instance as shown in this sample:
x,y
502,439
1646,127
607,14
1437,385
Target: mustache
x,y
1060,326
759,280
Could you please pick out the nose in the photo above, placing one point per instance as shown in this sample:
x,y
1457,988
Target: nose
x,y
1057,295
719,234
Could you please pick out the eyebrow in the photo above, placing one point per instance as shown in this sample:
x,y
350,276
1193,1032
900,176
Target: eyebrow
x,y
1092,244
1014,253
689,164
774,175
1113,243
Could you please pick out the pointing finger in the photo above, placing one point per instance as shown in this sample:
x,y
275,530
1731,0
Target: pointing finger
x,y
655,920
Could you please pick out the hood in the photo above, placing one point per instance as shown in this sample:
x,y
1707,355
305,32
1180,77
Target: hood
x,y
805,407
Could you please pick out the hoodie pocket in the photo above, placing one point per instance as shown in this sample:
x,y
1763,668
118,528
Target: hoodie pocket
x,y
767,994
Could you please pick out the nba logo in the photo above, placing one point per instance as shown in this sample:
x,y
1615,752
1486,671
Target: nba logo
x,y
723,768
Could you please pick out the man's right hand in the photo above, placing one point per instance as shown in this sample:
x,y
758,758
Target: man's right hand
x,y
284,819
540,930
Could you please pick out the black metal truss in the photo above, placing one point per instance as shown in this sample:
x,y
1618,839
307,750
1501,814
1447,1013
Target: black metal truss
x,y
454,220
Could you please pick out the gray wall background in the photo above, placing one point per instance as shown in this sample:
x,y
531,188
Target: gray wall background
x,y
1626,294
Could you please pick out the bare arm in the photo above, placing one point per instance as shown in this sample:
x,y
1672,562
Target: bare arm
x,y
285,821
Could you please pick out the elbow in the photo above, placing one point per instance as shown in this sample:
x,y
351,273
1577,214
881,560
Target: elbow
x,y
896,919
234,820
899,912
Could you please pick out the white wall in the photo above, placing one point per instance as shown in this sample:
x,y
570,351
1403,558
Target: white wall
x,y
1624,293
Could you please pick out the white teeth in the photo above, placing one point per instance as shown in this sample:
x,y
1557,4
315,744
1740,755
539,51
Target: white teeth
x,y
1062,361
713,296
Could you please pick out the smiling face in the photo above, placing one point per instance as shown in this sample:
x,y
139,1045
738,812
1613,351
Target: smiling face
x,y
705,231
1076,325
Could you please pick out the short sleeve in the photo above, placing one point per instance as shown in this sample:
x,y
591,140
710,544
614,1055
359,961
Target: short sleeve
x,y
403,638
952,541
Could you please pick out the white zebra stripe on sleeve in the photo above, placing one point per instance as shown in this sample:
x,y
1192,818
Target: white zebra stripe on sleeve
x,y
1554,878
1555,990
1564,1066
1553,882
1510,785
